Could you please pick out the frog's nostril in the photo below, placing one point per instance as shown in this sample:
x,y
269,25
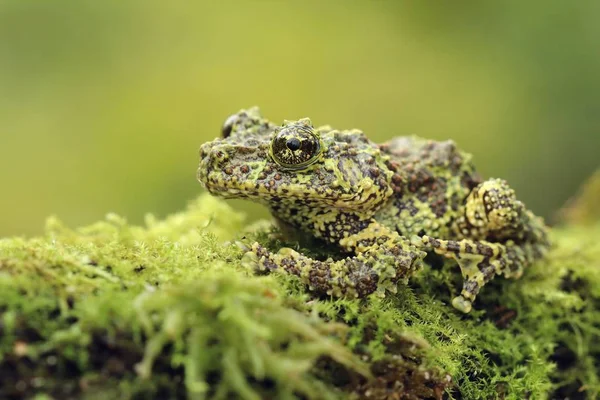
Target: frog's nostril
x,y
204,151
220,155
214,154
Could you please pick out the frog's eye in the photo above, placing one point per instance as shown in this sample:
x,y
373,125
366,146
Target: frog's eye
x,y
295,147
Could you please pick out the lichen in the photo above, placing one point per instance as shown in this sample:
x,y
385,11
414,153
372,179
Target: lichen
x,y
166,310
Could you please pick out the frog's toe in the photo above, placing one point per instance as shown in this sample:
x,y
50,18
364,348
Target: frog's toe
x,y
462,304
258,258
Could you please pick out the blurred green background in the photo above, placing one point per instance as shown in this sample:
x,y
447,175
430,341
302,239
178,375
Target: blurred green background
x,y
104,104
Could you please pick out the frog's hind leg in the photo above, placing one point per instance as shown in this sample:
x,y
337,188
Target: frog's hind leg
x,y
499,236
479,262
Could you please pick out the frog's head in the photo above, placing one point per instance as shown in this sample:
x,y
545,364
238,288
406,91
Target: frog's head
x,y
294,164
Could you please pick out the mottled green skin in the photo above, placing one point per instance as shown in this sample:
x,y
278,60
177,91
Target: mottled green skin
x,y
386,205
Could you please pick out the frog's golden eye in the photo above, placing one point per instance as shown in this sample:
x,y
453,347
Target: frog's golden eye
x,y
295,146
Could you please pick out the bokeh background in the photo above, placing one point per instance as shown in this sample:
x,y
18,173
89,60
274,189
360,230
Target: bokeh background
x,y
104,104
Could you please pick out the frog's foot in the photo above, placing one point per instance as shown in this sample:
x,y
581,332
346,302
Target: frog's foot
x,y
479,262
378,268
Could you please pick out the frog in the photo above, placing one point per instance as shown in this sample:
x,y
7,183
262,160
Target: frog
x,y
381,207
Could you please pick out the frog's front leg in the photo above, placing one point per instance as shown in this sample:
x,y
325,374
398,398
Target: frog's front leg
x,y
381,259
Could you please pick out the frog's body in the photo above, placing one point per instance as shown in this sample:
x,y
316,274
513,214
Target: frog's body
x,y
387,204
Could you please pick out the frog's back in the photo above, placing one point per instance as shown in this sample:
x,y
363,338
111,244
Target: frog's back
x,y
431,182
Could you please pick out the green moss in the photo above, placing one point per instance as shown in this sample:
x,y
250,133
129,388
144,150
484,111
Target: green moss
x,y
166,311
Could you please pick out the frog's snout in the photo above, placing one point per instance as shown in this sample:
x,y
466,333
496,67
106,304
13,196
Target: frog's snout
x,y
206,150
215,164
213,156
207,163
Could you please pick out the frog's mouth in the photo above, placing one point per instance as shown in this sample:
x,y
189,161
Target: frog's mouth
x,y
272,192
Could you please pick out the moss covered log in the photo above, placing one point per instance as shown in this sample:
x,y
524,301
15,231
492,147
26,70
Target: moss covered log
x,y
167,311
